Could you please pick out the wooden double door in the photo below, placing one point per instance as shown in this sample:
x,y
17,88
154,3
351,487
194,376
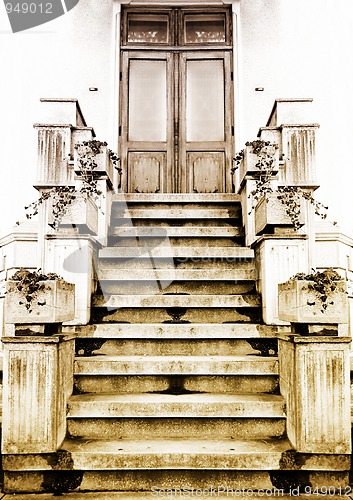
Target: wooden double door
x,y
176,124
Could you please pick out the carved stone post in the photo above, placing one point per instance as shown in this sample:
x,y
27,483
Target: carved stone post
x,y
315,382
38,380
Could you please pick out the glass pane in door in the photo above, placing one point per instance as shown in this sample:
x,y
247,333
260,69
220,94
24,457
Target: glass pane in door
x,y
204,28
147,100
205,100
147,28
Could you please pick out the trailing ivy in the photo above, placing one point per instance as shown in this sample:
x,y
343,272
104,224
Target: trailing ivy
x,y
290,196
323,284
30,283
63,196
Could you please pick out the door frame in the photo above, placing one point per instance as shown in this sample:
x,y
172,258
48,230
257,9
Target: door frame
x,y
178,181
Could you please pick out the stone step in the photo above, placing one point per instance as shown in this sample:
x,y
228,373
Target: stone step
x,y
176,428
161,301
209,242
176,384
179,287
181,405
158,483
169,275
178,315
217,198
96,455
152,263
178,331
240,253
176,347
176,365
159,232
183,213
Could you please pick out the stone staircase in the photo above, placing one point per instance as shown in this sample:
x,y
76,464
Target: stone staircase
x,y
176,379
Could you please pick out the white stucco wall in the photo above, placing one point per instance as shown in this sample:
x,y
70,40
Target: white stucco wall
x,y
292,48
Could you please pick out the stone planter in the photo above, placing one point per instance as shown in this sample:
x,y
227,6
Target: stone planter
x,y
82,213
270,212
298,304
248,164
104,168
54,304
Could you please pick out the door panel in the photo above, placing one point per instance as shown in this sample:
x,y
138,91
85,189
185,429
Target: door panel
x,y
206,172
146,172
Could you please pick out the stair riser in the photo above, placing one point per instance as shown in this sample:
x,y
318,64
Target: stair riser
x,y
165,409
173,428
152,480
116,241
194,315
179,263
189,287
101,384
170,347
177,205
165,366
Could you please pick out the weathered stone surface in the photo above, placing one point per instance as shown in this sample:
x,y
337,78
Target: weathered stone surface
x,y
298,304
199,301
54,304
176,347
163,454
238,384
176,428
179,331
315,382
169,405
270,212
177,213
162,251
177,198
38,377
174,365
177,231
168,275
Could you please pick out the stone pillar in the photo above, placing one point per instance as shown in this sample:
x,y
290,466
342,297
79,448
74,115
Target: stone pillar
x,y
315,382
38,380
278,257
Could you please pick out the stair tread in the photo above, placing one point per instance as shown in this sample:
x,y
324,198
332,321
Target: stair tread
x,y
176,251
178,330
161,358
176,197
233,212
175,231
264,454
152,398
177,274
115,300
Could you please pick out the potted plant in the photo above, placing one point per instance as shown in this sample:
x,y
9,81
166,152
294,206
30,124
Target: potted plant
x,y
273,206
36,298
316,298
257,157
77,205
95,158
